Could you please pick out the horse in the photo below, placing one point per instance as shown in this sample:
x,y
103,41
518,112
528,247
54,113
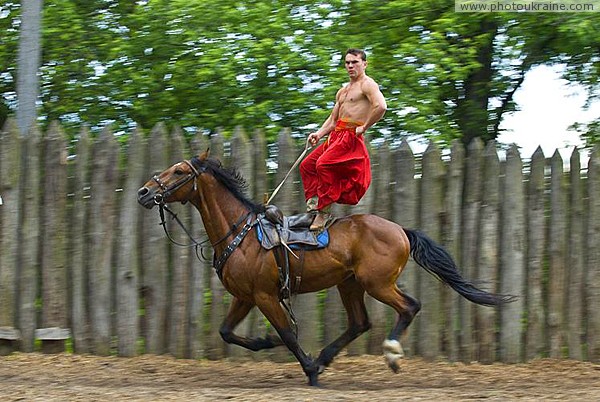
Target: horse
x,y
366,253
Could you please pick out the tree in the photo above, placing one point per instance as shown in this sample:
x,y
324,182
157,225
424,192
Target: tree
x,y
9,25
273,64
455,74
28,64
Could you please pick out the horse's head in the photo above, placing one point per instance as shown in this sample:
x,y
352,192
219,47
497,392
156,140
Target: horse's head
x,y
175,184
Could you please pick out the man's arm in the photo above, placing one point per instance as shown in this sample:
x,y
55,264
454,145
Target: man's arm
x,y
328,125
378,105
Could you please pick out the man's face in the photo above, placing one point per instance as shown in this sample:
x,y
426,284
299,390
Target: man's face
x,y
355,65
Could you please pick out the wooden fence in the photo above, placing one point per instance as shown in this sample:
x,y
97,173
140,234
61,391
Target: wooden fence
x,y
83,266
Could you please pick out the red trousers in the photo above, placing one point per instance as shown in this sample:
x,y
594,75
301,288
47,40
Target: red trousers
x,y
339,169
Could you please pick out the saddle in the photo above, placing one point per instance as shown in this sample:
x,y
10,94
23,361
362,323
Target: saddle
x,y
275,229
281,234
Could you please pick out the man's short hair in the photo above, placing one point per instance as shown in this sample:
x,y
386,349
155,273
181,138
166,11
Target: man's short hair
x,y
357,52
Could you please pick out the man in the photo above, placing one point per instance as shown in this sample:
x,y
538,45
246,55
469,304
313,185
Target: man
x,y
339,169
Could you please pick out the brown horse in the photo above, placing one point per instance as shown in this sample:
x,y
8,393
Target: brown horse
x,y
366,253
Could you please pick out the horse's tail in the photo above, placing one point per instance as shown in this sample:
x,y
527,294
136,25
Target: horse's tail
x,y
438,262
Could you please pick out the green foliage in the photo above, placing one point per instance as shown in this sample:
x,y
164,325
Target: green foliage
x,y
9,26
271,64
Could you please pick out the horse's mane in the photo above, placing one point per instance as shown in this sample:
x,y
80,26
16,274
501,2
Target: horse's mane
x,y
230,178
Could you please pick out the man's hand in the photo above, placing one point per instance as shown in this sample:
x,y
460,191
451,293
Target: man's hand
x,y
360,130
313,138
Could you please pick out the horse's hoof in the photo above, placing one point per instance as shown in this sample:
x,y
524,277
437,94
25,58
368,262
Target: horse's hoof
x,y
313,381
313,374
392,351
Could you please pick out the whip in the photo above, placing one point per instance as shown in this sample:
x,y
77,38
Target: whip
x,y
306,148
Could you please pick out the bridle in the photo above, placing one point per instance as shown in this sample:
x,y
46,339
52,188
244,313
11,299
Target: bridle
x,y
167,191
159,199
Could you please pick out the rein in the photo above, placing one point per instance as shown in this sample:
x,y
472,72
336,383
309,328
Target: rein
x,y
159,200
194,243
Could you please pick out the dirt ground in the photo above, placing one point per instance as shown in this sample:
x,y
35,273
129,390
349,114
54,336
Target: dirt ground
x,y
65,377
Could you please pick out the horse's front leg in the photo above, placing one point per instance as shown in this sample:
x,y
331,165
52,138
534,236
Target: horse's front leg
x,y
271,308
238,310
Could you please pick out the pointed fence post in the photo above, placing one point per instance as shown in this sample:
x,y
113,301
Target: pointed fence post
x,y
54,331
104,182
405,208
488,255
458,322
80,262
10,168
512,257
536,256
179,285
28,281
215,347
430,320
241,159
155,251
557,251
575,258
380,315
592,289
200,271
128,250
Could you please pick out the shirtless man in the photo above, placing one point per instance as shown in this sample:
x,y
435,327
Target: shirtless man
x,y
339,169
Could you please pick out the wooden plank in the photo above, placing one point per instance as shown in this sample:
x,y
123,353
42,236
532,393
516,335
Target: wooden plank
x,y
127,251
575,257
512,257
53,334
557,245
9,340
9,334
155,251
10,173
458,321
31,232
80,261
104,182
592,290
430,321
537,225
488,254
405,207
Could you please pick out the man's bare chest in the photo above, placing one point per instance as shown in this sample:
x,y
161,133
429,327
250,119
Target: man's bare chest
x,y
352,95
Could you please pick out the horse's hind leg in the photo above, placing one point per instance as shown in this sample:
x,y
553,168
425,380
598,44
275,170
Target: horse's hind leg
x,y
238,310
352,295
407,308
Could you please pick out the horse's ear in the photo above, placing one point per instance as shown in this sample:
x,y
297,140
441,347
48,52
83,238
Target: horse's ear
x,y
204,155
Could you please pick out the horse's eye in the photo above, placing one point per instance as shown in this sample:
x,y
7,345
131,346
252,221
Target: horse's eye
x,y
179,172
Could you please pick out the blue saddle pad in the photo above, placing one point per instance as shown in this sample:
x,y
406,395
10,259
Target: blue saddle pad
x,y
322,240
